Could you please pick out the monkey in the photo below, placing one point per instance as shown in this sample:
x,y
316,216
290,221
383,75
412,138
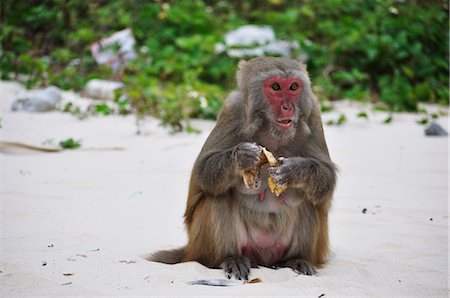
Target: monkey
x,y
235,228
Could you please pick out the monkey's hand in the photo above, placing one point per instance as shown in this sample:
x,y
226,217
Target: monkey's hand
x,y
289,172
316,178
246,156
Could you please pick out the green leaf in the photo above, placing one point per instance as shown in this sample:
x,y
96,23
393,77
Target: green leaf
x,y
70,144
363,115
103,109
388,119
341,120
423,121
324,107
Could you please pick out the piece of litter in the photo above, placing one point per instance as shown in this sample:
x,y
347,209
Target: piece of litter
x,y
136,193
67,283
254,281
127,261
216,282
44,263
115,50
67,273
254,40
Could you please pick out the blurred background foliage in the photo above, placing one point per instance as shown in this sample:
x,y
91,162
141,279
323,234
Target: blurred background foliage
x,y
385,51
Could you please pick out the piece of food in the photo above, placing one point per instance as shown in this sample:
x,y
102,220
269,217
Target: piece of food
x,y
254,281
273,162
276,189
251,176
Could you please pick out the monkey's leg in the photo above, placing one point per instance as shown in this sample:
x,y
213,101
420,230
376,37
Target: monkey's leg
x,y
237,267
299,266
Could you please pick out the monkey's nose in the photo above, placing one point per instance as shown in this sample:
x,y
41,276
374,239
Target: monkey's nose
x,y
287,107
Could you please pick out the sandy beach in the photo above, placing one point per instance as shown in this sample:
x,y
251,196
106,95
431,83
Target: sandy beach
x,y
78,222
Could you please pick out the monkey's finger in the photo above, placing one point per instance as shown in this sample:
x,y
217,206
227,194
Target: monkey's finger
x,y
278,175
274,171
227,270
250,147
281,160
247,159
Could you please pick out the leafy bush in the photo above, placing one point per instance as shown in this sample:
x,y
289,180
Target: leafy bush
x,y
395,52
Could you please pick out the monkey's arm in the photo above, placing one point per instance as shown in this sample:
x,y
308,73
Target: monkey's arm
x,y
226,152
219,170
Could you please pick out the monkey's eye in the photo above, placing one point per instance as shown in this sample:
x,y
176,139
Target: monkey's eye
x,y
294,86
276,86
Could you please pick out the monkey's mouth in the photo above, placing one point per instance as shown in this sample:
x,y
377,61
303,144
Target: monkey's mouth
x,y
284,124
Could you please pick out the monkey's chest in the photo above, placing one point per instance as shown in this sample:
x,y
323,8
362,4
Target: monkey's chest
x,y
264,248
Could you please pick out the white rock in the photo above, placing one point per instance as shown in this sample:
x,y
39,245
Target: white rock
x,y
101,89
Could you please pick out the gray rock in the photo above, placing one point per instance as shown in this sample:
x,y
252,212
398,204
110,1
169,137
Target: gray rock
x,y
434,129
42,100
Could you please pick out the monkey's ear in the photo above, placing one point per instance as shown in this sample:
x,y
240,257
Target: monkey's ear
x,y
302,63
242,64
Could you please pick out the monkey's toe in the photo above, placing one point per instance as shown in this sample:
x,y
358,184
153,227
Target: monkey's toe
x,y
301,267
237,267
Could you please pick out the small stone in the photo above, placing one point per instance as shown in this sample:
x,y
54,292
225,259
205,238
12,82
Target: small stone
x,y
434,129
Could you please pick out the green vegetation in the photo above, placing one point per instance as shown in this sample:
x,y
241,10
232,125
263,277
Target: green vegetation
x,y
384,51
340,121
70,144
388,120
362,115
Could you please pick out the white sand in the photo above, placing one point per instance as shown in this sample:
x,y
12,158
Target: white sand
x,y
93,214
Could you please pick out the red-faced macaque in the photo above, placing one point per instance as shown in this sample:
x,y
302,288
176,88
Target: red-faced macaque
x,y
234,226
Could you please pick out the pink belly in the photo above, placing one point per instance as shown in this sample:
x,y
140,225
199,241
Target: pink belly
x,y
264,248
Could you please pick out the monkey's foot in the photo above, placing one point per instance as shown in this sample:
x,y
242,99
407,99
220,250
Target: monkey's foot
x,y
299,266
237,267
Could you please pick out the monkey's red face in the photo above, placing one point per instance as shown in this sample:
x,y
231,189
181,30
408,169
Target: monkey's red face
x,y
282,95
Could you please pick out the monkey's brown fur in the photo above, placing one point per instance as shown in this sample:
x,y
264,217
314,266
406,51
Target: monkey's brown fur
x,y
229,226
